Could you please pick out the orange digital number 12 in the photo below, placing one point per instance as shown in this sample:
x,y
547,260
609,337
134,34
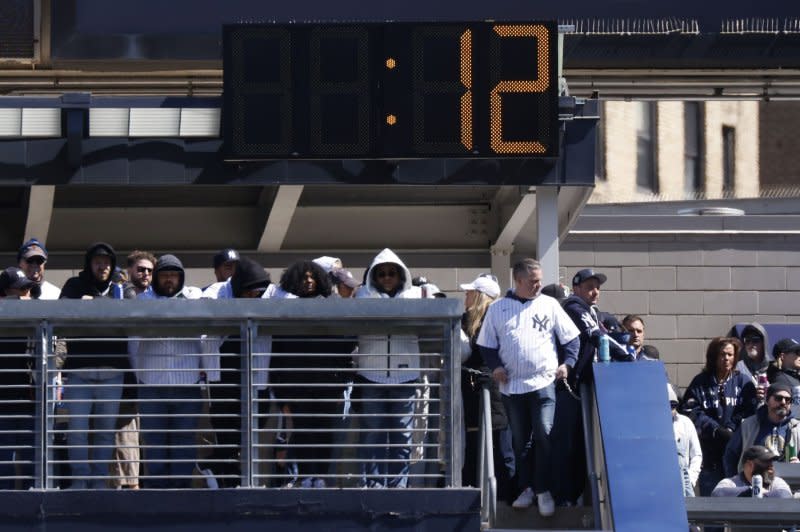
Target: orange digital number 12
x,y
532,86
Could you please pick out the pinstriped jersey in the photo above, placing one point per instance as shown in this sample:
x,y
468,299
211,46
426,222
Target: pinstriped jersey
x,y
525,336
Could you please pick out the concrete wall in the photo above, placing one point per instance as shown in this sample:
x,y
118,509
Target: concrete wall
x,y
690,289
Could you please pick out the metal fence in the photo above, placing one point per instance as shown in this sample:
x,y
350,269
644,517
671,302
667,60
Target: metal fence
x,y
223,393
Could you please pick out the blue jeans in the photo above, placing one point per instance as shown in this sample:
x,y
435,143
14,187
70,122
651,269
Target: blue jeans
x,y
532,414
16,443
92,392
386,408
169,419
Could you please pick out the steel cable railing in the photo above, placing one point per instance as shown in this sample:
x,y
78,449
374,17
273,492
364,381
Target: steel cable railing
x,y
126,394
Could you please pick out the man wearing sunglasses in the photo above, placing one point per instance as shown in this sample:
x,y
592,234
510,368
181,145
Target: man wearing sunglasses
x,y
393,362
140,273
756,460
31,258
755,359
771,426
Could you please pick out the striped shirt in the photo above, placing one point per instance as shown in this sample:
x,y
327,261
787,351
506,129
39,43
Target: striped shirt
x,y
172,361
525,334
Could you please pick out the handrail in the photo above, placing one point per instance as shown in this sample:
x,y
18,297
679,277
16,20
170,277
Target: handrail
x,y
488,482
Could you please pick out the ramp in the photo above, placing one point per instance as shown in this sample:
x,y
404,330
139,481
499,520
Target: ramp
x,y
642,488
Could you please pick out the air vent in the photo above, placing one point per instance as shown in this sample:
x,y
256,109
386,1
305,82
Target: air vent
x,y
16,29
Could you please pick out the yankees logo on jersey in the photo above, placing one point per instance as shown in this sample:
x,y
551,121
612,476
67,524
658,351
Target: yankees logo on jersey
x,y
542,322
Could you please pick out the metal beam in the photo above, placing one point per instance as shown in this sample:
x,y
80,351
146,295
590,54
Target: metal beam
x,y
280,216
40,212
503,246
547,233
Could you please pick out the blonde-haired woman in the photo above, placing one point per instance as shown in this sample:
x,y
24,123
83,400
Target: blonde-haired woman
x,y
481,293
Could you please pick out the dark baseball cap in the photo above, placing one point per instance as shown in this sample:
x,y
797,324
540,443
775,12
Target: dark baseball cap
x,y
785,345
225,255
776,387
586,274
758,452
14,278
32,248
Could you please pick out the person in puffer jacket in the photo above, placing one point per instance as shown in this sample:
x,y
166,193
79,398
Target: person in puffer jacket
x,y
394,362
169,372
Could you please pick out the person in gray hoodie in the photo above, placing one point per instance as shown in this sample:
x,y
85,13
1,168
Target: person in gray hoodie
x,y
169,372
394,362
755,359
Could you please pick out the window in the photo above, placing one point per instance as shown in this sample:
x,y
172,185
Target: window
x,y
646,177
693,148
728,159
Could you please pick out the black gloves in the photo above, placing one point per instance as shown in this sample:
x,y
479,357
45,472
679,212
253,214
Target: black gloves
x,y
724,433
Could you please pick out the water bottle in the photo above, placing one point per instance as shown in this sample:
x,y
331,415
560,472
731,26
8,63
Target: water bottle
x,y
757,482
116,291
603,354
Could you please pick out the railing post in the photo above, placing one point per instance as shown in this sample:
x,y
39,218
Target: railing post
x,y
452,416
247,334
45,408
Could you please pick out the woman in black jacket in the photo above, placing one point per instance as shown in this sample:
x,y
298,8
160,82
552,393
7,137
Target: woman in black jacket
x,y
475,375
302,369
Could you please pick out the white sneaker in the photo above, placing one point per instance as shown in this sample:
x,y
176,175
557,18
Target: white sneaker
x,y
319,483
524,500
546,505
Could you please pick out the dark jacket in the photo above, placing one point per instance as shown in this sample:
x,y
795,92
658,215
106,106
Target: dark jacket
x,y
788,377
93,354
591,331
702,404
472,389
84,284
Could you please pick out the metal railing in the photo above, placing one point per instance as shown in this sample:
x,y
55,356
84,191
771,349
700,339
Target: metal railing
x,y
232,393
487,479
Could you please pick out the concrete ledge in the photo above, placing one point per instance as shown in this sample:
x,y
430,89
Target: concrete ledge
x,y
236,510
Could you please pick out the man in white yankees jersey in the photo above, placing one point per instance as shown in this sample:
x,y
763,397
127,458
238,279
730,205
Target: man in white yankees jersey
x,y
518,341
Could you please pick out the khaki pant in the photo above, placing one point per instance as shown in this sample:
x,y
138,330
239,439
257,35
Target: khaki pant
x,y
125,469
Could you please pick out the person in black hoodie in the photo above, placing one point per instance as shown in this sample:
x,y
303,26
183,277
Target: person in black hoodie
x,y
249,281
95,371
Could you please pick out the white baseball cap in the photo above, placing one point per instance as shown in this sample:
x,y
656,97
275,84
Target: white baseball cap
x,y
328,263
485,285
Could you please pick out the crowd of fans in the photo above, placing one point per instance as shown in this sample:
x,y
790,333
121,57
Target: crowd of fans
x,y
532,347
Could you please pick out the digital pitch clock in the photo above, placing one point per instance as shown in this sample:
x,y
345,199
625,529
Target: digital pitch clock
x,y
390,90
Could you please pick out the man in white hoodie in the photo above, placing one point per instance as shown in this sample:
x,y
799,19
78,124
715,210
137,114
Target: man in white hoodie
x,y
169,371
394,363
